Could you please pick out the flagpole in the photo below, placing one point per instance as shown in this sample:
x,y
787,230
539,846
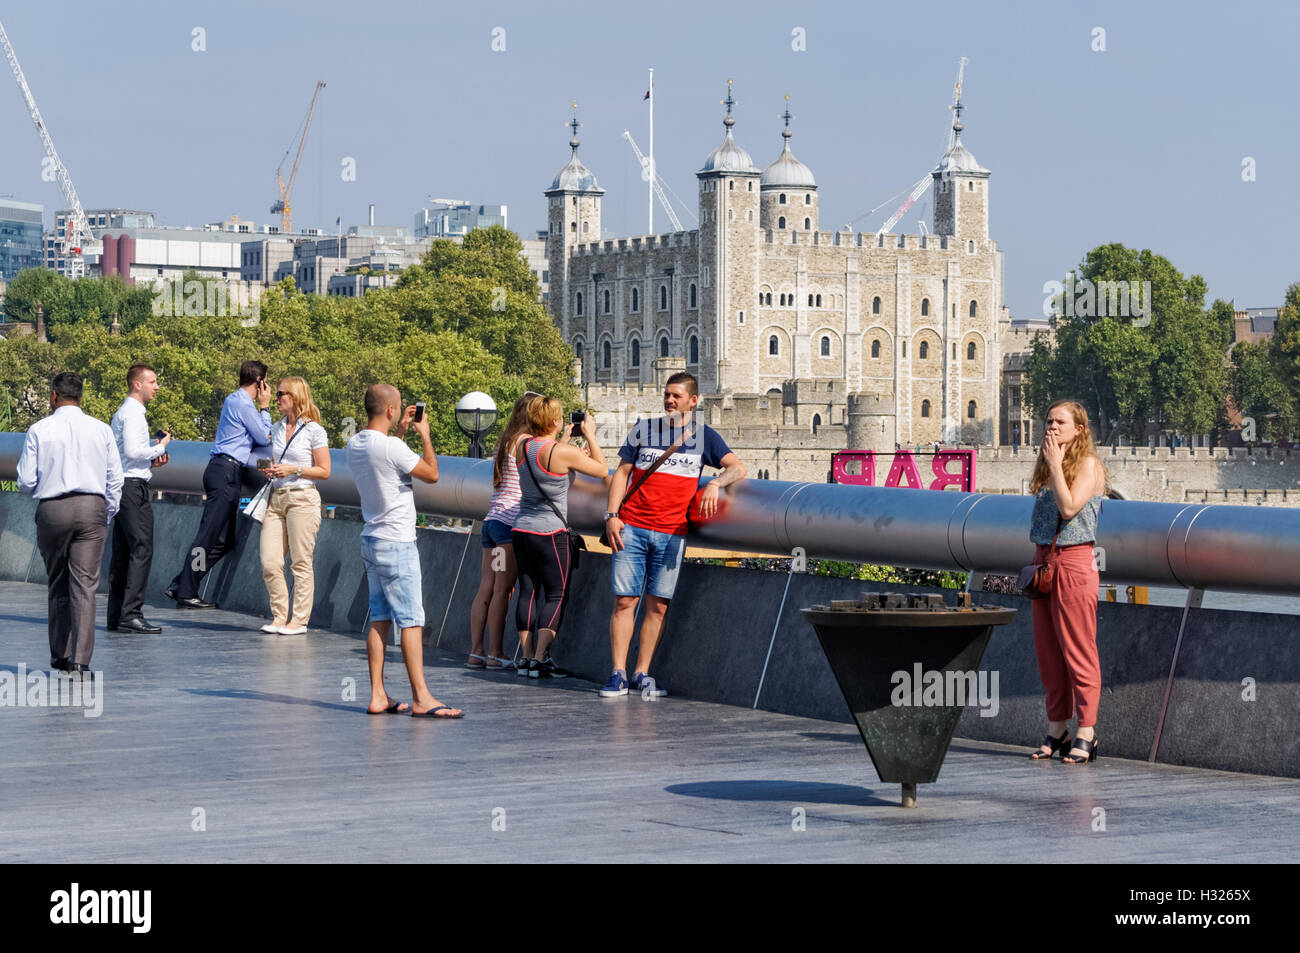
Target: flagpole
x,y
651,184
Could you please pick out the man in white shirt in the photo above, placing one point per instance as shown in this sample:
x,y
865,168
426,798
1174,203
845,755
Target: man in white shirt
x,y
71,466
128,572
382,466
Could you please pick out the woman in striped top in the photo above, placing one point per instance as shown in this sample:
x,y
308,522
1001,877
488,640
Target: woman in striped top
x,y
498,573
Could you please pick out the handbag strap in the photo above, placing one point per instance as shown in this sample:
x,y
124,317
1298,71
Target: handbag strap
x,y
1060,521
554,509
645,475
296,430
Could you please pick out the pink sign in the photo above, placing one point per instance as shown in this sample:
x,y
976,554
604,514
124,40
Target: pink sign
x,y
858,467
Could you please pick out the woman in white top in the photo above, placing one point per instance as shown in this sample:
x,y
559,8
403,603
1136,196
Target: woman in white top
x,y
299,456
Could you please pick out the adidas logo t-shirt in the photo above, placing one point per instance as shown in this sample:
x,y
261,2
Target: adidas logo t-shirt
x,y
661,503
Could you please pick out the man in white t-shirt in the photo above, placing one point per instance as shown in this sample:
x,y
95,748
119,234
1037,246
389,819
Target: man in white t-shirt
x,y
382,467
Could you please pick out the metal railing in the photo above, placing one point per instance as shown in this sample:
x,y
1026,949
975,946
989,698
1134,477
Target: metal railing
x,y
1196,546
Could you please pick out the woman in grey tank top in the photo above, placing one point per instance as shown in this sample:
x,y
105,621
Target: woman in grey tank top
x,y
1069,482
541,532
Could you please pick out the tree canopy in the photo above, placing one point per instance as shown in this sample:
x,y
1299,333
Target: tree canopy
x,y
466,318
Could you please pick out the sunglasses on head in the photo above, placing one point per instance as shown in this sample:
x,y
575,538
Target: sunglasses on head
x,y
282,393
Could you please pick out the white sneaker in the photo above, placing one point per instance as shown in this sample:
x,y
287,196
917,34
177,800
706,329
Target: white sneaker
x,y
271,628
292,629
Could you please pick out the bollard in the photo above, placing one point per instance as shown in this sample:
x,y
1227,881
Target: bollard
x,y
907,666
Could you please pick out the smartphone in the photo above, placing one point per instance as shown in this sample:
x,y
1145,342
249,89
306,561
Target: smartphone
x,y
162,433
263,462
419,411
577,417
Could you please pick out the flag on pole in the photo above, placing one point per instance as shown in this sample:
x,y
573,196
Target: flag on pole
x,y
646,96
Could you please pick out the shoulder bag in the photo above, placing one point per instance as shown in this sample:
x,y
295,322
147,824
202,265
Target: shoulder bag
x,y
576,543
1035,581
604,533
255,509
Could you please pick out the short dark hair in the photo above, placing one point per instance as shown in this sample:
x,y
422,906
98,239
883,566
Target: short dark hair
x,y
68,386
134,373
378,399
682,377
250,372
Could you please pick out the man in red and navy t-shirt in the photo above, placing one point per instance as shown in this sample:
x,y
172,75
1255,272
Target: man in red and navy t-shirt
x,y
648,532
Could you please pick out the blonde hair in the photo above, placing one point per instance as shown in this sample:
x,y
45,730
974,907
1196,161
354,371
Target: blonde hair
x,y
1076,451
303,405
544,415
506,442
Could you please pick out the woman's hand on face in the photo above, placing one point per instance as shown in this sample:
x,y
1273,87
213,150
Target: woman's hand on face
x,y
1053,452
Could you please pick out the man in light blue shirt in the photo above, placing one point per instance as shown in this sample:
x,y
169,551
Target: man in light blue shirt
x,y
128,571
243,432
71,466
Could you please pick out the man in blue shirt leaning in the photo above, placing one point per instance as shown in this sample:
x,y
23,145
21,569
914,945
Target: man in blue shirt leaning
x,y
243,433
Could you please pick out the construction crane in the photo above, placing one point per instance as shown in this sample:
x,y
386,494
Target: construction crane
x,y
77,241
282,205
652,176
919,188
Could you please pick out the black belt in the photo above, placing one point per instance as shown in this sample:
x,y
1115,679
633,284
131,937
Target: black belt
x,y
69,495
230,458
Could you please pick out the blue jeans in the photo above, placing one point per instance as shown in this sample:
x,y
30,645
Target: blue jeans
x,y
393,574
649,560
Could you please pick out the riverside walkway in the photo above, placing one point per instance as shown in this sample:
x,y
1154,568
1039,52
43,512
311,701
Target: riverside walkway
x,y
218,743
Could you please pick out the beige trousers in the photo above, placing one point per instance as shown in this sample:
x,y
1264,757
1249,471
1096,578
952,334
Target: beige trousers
x,y
289,528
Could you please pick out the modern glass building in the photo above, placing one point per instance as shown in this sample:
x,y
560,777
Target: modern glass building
x,y
21,237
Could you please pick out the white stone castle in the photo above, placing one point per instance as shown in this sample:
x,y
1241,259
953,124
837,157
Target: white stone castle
x,y
803,340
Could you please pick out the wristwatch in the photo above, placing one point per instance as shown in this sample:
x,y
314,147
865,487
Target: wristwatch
x,y
610,516
300,471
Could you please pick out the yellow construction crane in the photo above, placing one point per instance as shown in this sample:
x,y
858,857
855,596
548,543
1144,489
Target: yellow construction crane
x,y
282,206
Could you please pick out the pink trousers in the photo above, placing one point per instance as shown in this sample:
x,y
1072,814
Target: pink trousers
x,y
1065,636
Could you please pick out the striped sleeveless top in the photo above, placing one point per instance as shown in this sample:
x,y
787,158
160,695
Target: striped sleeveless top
x,y
504,507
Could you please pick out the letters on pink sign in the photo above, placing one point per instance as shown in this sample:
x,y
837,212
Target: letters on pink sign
x,y
858,468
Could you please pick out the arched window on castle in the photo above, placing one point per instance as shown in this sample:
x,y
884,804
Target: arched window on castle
x,y
691,294
970,410
925,408
875,305
816,422
694,357
970,351
819,301
781,199
636,300
925,307
773,345
826,346
769,299
972,309
810,301
925,350
807,223
780,222
731,185
605,301
577,303
807,198
663,346
875,349
663,297
608,354
636,353
577,349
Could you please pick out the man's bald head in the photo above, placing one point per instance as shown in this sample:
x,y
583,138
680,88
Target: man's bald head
x,y
380,397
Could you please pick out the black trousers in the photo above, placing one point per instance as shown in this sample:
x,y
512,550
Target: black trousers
x,y
128,572
217,527
70,533
543,580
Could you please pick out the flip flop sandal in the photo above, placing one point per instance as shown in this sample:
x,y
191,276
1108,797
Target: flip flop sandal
x,y
505,663
393,709
481,663
433,713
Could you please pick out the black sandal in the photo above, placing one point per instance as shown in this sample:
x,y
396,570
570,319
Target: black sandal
x,y
1088,746
1056,744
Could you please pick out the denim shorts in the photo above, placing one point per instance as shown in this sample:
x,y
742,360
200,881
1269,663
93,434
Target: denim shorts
x,y
496,533
649,560
393,573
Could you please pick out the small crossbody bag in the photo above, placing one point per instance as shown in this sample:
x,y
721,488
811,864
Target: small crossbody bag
x,y
1035,581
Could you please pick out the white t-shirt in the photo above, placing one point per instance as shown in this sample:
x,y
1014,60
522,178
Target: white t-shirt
x,y
312,438
381,468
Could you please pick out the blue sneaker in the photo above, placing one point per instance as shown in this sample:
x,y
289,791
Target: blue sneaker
x,y
616,686
646,686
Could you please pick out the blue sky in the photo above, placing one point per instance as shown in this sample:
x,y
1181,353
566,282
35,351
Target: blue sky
x,y
1142,143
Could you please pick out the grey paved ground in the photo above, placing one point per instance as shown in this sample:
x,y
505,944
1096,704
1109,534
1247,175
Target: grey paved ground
x,y
251,729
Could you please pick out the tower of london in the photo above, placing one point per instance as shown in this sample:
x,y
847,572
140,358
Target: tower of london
x,y
804,340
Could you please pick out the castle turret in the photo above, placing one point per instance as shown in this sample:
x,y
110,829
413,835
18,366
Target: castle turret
x,y
961,190
573,202
871,422
728,267
788,189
